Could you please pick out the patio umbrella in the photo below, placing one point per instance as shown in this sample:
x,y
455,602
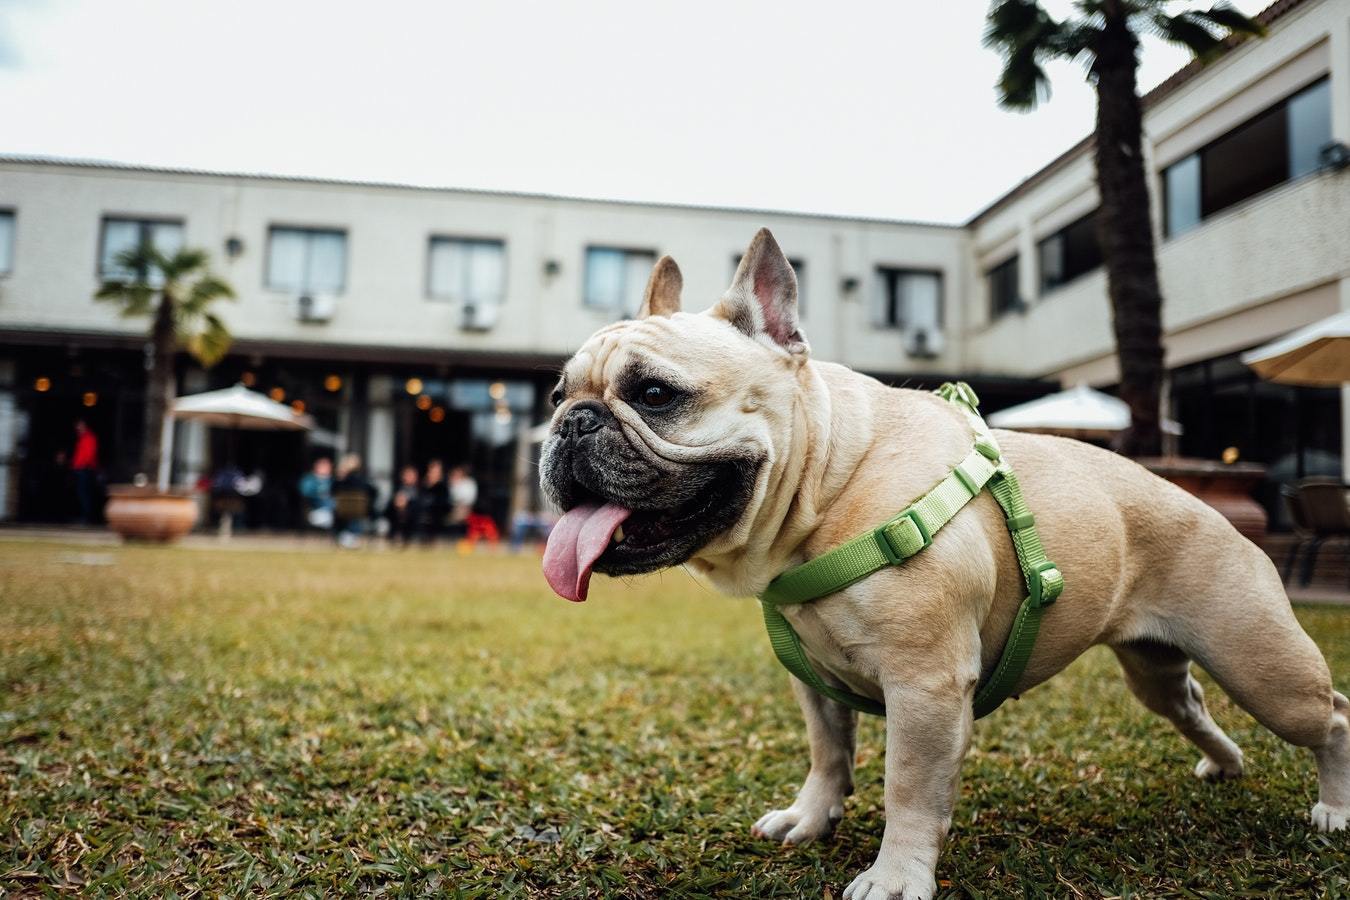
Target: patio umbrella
x,y
238,407
1078,412
1315,355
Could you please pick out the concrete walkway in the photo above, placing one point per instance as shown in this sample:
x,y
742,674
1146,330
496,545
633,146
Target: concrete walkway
x,y
272,542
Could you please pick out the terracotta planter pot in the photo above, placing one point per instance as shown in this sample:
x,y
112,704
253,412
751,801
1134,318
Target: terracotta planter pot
x,y
146,514
1227,488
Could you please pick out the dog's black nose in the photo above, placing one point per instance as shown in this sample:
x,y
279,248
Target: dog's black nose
x,y
586,417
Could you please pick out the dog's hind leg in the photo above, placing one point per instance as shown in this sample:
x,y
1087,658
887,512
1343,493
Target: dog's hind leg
x,y
1259,654
1332,811
1159,675
830,730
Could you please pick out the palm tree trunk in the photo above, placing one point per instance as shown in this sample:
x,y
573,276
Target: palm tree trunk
x,y
158,388
1125,232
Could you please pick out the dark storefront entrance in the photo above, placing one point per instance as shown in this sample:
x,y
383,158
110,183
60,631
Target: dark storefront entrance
x,y
1227,412
472,416
53,389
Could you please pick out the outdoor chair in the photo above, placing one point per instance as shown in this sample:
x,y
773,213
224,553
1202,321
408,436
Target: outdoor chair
x,y
1319,511
351,505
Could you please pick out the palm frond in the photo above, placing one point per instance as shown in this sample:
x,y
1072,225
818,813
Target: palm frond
x,y
1233,21
155,279
183,263
1027,36
1188,30
205,291
1012,22
1075,41
140,262
136,298
209,342
1022,84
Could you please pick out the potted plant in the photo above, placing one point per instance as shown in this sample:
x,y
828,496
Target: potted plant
x,y
176,292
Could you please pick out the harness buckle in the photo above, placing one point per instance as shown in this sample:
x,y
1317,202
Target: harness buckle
x,y
1045,584
887,543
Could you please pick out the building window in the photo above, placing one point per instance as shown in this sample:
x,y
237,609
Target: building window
x,y
1069,252
6,241
1004,293
1278,145
121,235
615,279
1181,188
306,260
467,270
909,299
798,266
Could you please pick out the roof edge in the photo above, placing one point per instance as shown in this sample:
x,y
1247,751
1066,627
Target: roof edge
x,y
117,165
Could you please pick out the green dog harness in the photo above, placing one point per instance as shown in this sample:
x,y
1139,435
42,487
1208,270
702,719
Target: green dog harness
x,y
895,541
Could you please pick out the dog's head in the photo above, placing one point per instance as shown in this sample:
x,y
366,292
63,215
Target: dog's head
x,y
664,424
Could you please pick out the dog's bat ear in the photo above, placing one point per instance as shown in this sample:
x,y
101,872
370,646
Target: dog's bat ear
x,y
663,290
762,298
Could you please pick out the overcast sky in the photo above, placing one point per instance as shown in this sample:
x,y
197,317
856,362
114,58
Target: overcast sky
x,y
881,109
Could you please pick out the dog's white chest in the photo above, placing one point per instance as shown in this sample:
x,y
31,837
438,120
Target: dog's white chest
x,y
834,651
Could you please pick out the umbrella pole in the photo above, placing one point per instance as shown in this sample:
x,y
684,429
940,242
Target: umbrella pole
x,y
1300,467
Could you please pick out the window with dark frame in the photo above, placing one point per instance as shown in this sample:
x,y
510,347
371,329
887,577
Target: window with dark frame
x,y
615,278
1280,144
909,299
1004,292
6,241
798,266
466,270
306,260
120,234
1068,253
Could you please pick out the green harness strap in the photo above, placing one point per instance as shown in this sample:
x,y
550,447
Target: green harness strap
x,y
891,543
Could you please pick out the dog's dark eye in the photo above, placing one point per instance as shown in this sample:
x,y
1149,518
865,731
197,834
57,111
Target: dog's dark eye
x,y
556,398
655,394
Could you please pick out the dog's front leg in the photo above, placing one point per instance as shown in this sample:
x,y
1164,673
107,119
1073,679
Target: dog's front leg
x,y
927,732
830,730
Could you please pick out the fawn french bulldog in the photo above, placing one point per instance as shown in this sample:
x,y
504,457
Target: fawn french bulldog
x,y
714,441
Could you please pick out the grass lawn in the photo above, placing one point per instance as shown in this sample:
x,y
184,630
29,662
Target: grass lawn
x,y
181,722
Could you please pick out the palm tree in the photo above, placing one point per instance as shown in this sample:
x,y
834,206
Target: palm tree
x,y
177,292
1104,35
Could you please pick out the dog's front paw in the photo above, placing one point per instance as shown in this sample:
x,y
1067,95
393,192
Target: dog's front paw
x,y
796,825
1329,818
892,882
1208,769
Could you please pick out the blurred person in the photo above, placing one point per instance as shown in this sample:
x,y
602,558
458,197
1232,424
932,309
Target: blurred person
x,y
226,500
84,466
316,493
435,501
353,499
404,511
463,495
526,525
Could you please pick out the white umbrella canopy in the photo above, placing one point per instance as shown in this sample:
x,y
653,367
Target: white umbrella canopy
x,y
1079,411
1315,355
238,407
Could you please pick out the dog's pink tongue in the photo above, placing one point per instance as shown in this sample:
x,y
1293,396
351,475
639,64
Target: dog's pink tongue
x,y
574,545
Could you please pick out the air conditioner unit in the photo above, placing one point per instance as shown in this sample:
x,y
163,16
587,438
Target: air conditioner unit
x,y
479,316
315,307
923,343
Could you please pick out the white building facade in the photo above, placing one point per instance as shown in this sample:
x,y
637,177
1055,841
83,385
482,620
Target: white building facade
x,y
420,323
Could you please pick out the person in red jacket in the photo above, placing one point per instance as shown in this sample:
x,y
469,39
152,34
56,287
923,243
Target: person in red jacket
x,y
84,465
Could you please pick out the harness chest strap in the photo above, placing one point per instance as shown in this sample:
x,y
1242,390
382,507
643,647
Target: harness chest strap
x,y
905,535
